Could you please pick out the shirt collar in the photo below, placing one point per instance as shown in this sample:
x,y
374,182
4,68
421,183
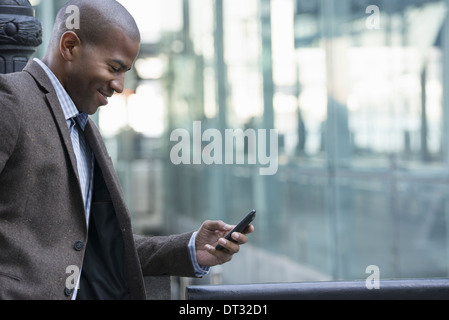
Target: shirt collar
x,y
67,104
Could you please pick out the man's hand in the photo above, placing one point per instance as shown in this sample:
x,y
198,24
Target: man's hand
x,y
212,233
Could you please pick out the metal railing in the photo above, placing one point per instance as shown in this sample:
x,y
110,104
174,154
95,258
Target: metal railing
x,y
403,289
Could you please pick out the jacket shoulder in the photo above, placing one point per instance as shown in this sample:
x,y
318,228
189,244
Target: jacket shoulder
x,y
11,114
14,85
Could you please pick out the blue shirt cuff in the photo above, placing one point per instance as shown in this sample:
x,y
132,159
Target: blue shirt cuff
x,y
199,270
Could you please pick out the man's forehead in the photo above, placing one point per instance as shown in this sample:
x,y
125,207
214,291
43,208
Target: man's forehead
x,y
120,49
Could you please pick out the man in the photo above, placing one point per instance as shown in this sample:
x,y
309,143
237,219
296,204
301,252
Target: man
x,y
61,206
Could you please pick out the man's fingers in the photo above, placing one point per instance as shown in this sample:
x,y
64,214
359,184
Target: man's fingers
x,y
228,246
240,238
249,229
217,225
223,255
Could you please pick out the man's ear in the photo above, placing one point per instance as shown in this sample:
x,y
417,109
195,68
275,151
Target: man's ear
x,y
69,45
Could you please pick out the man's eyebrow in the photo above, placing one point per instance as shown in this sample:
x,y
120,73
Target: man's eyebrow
x,y
122,64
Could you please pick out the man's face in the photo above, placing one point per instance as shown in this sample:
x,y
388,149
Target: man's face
x,y
99,71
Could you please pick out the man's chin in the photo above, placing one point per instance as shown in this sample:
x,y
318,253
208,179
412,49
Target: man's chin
x,y
91,110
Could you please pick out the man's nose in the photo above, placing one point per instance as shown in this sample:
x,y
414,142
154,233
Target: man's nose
x,y
118,84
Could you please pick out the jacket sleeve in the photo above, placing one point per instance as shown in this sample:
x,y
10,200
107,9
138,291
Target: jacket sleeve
x,y
160,256
9,122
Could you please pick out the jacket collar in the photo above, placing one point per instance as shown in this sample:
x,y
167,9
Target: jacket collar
x,y
36,71
42,80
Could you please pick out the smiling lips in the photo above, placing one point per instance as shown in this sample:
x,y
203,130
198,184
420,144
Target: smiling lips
x,y
104,97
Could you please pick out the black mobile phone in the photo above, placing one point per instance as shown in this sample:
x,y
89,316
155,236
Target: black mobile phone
x,y
239,228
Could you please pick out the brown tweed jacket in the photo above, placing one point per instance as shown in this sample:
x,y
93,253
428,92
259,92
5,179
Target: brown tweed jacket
x,y
42,220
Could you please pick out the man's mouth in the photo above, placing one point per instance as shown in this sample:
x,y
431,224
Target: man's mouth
x,y
104,97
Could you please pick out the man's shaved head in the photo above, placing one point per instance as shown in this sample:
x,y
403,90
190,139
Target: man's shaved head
x,y
94,43
98,18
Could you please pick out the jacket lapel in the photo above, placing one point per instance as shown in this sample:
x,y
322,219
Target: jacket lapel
x,y
95,141
35,70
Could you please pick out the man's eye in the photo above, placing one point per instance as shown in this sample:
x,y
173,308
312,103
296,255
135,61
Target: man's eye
x,y
113,69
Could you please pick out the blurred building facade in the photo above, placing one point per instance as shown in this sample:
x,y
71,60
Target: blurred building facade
x,y
358,91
